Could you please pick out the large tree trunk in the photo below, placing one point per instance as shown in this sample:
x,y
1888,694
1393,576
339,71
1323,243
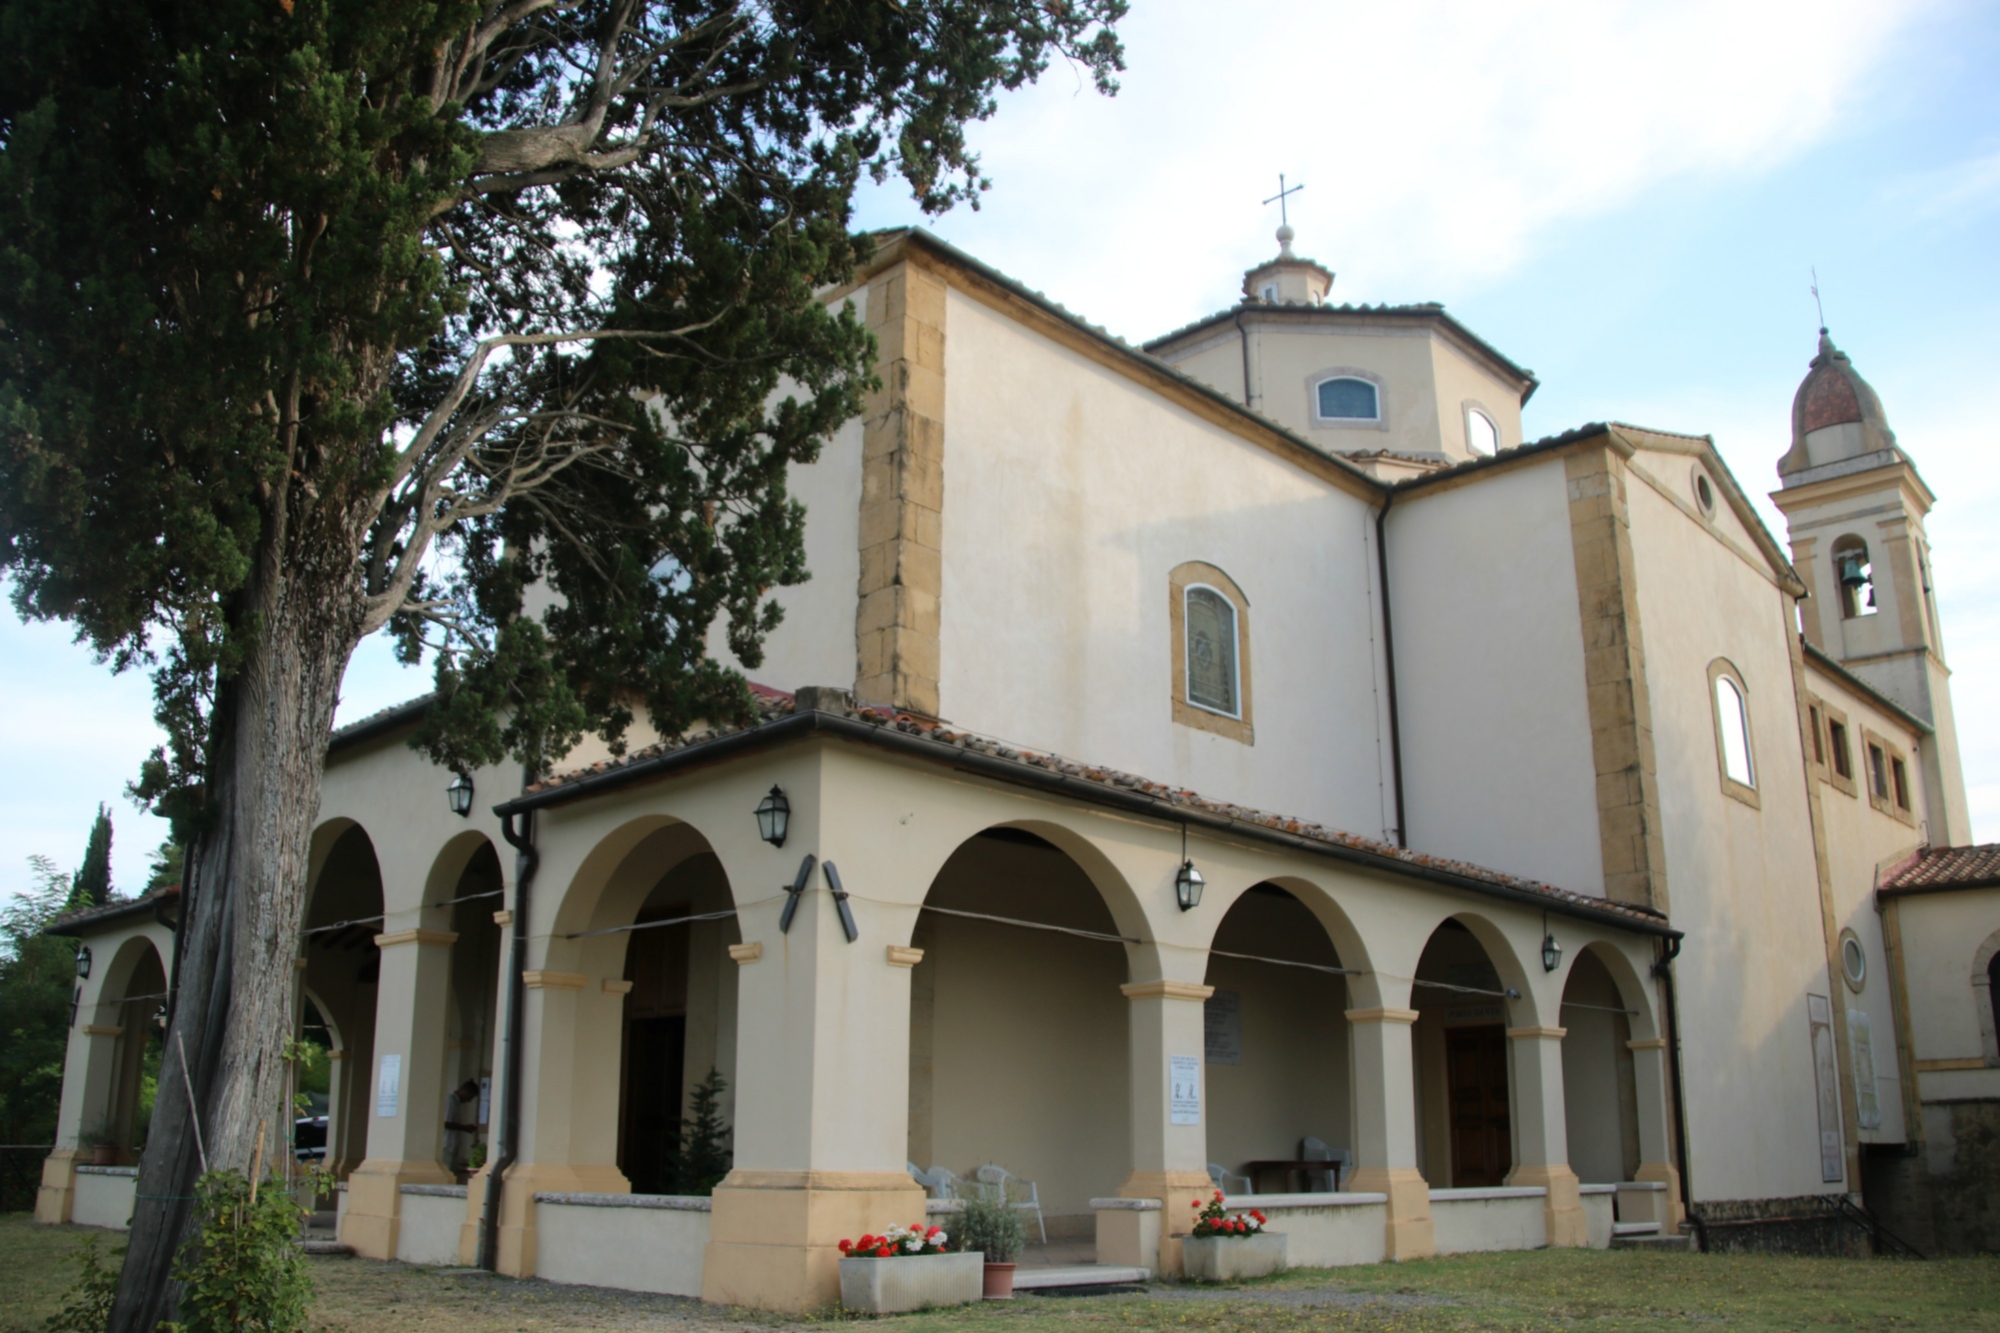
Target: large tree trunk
x,y
240,932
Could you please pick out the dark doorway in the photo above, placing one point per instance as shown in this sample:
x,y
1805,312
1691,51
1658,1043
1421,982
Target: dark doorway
x,y
1481,1146
654,1050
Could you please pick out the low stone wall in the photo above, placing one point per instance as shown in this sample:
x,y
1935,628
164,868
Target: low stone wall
x,y
428,1225
1324,1230
104,1196
640,1242
1468,1221
1600,1212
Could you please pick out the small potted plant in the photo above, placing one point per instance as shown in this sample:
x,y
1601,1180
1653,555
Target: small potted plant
x,y
992,1227
907,1268
1226,1246
100,1144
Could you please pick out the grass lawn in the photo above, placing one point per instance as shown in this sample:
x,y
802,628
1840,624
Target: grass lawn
x,y
1567,1289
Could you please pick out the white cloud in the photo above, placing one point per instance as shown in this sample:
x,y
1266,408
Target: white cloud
x,y
1439,141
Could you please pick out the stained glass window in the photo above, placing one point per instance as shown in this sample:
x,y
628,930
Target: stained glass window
x,y
1211,651
1348,399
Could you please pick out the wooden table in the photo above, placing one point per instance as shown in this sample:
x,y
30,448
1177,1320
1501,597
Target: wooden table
x,y
1296,1171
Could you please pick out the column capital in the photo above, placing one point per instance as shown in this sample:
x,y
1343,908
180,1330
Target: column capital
x,y
1165,990
102,1030
747,953
1647,1044
904,955
1381,1015
545,980
1537,1034
419,936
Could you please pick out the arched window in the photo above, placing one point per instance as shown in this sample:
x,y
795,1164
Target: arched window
x,y
1856,575
1210,620
1348,398
1732,732
1482,437
1211,652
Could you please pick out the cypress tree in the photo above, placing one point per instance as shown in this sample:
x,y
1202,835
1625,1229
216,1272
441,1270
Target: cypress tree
x,y
93,877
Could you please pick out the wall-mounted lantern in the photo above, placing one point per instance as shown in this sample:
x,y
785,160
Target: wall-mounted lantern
x,y
774,816
1188,885
1552,953
83,961
459,793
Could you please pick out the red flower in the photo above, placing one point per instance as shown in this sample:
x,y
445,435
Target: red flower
x,y
884,1252
934,1231
846,1245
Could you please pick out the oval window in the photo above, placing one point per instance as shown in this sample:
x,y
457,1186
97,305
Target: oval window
x,y
1853,960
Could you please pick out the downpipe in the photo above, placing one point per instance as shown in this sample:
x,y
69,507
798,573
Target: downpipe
x,y
1389,663
527,860
1663,968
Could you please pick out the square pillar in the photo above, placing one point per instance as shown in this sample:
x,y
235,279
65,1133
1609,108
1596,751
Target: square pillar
x,y
1169,1108
1656,1145
1541,1132
822,1102
1385,1128
90,1070
406,1108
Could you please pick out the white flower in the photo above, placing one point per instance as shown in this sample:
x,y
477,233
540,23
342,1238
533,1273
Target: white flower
x,y
941,1239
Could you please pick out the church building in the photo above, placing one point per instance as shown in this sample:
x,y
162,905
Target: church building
x,y
1240,761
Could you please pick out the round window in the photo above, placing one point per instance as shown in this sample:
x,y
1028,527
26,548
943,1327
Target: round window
x,y
1704,491
1853,960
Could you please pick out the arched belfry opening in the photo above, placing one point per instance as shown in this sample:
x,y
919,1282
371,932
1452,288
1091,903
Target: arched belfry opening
x,y
1276,1049
342,973
1019,1045
1464,1124
1600,1097
678,1026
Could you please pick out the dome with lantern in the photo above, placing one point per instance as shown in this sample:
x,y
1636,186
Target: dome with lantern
x,y
1837,420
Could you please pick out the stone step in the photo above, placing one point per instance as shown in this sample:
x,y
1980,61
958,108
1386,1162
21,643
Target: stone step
x,y
1635,1228
1043,1277
332,1247
1649,1242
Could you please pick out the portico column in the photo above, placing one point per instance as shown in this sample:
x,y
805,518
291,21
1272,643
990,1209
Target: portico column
x,y
1385,1128
822,1098
1541,1132
89,1067
1169,1107
1656,1146
406,1110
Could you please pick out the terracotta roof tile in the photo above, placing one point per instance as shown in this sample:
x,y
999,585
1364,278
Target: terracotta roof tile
x,y
1947,868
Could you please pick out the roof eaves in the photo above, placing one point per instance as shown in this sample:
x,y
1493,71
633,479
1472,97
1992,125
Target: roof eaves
x,y
76,925
939,743
405,714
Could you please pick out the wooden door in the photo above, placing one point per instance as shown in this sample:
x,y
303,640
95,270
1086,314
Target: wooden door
x,y
1481,1145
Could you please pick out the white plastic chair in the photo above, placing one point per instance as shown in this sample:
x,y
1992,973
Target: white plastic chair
x,y
997,1184
1227,1181
936,1181
1323,1182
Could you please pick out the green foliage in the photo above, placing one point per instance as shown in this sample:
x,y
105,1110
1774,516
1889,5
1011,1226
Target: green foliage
x,y
164,867
991,1226
242,1268
703,1156
86,1306
37,980
92,885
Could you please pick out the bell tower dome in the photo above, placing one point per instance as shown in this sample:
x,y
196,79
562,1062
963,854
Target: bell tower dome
x,y
1854,508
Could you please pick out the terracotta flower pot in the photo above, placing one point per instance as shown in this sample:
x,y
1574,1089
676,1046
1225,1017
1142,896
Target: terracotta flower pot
x,y
104,1154
999,1282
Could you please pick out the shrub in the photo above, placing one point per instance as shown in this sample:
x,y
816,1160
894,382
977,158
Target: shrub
x,y
242,1268
992,1227
86,1306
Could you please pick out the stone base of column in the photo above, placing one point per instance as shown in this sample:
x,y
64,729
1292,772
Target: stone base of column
x,y
774,1236
475,1216
375,1203
1562,1210
57,1195
1409,1233
1178,1192
1665,1173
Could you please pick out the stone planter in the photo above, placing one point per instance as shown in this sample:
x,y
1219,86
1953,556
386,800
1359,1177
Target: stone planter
x,y
914,1282
1228,1258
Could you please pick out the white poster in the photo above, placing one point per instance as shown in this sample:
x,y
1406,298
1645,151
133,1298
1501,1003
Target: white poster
x,y
1183,1090
1819,1018
389,1086
1222,1024
1861,1044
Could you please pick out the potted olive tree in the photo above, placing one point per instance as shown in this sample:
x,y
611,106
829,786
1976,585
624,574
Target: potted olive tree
x,y
1228,1246
992,1227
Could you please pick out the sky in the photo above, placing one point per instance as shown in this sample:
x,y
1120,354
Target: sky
x,y
1627,197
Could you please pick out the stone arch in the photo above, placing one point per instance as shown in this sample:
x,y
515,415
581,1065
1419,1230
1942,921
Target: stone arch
x,y
130,997
1019,1052
344,906
463,891
1986,995
1277,1056
1600,1093
1363,988
1464,1081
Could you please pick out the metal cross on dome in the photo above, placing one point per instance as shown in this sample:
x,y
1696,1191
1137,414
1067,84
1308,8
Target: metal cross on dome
x,y
1279,198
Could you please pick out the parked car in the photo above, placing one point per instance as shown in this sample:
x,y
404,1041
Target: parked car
x,y
309,1138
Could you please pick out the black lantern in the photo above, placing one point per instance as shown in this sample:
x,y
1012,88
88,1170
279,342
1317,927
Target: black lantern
x,y
83,961
774,816
1188,885
1552,953
459,793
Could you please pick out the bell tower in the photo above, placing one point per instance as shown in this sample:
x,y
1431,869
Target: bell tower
x,y
1854,509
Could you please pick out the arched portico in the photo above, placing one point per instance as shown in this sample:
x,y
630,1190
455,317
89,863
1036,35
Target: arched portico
x,y
343,972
